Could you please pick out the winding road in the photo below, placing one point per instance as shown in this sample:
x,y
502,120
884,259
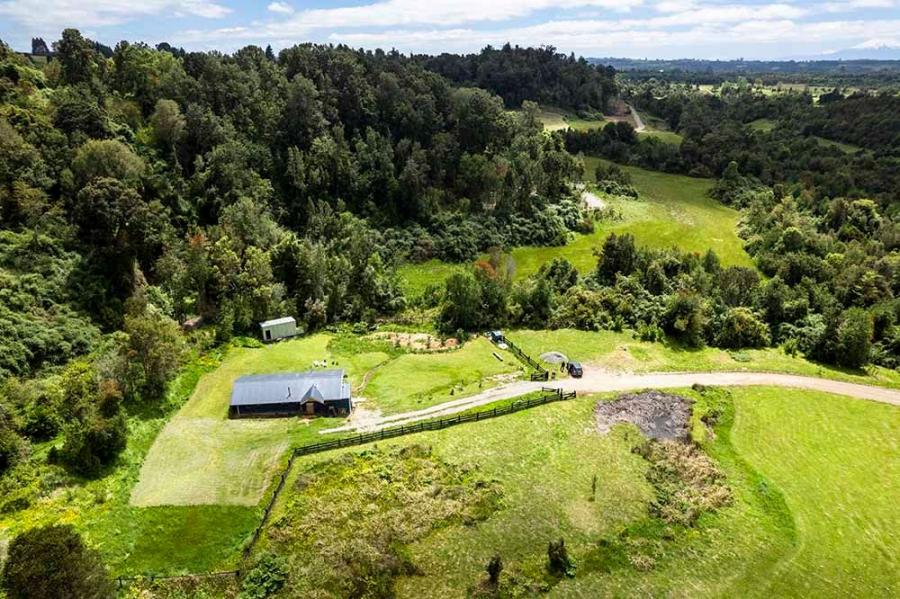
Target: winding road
x,y
599,381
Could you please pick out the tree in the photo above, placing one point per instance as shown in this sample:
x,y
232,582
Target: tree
x,y
168,124
854,338
618,256
685,318
741,328
76,57
96,431
151,354
52,562
462,304
11,445
494,568
107,158
558,561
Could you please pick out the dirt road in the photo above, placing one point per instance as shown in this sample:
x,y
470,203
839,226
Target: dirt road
x,y
638,122
598,381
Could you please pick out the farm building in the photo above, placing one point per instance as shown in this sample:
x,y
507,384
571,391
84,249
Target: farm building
x,y
279,328
318,392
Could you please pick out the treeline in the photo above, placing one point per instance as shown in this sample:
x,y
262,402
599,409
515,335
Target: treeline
x,y
717,132
238,187
537,74
831,288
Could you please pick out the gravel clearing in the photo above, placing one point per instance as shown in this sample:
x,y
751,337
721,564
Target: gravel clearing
x,y
658,415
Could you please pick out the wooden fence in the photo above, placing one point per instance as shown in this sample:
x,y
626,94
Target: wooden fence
x,y
540,373
548,395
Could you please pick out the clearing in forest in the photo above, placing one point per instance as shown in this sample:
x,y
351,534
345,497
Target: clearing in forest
x,y
672,211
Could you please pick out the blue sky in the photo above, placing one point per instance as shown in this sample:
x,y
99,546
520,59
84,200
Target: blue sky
x,y
630,28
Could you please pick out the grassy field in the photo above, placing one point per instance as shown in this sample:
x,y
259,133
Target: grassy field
x,y
555,119
414,381
415,278
837,462
764,125
813,478
621,352
673,210
133,540
669,137
846,148
203,458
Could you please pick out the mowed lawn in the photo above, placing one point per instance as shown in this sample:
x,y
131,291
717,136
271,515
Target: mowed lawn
x,y
203,458
418,380
672,211
837,462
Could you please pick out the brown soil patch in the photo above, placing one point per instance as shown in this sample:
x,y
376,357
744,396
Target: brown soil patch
x,y
658,415
418,341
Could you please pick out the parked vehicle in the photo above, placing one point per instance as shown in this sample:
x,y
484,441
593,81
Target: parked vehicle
x,y
574,369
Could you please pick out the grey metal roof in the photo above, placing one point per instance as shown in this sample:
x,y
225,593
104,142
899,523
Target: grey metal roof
x,y
277,321
316,385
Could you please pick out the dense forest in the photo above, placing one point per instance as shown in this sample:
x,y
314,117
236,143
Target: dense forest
x,y
140,187
536,74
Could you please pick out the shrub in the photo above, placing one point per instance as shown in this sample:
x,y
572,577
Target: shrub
x,y
265,579
741,328
52,562
558,561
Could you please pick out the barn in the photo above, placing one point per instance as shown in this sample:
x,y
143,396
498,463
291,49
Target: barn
x,y
317,392
279,328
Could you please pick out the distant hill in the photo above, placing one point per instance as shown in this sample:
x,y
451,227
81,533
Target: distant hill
x,y
844,61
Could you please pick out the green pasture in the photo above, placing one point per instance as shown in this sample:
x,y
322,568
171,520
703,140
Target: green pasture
x,y
555,119
669,137
672,211
813,477
764,125
622,352
837,462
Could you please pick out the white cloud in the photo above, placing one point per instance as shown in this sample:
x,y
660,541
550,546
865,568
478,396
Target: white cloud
x,y
597,38
53,15
281,7
877,43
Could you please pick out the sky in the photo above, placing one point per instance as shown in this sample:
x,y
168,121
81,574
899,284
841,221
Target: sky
x,y
726,29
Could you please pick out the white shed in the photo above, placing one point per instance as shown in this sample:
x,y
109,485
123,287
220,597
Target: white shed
x,y
279,328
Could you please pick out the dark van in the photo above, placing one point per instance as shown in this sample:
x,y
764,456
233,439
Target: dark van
x,y
575,370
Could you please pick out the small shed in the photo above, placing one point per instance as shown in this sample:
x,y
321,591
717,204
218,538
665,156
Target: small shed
x,y
317,392
279,328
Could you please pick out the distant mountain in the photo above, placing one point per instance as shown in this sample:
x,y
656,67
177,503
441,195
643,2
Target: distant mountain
x,y
883,51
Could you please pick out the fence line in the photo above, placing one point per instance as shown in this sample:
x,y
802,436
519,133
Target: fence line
x,y
540,373
549,395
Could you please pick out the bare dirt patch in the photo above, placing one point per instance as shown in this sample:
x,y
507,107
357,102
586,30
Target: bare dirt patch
x,y
658,415
418,341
